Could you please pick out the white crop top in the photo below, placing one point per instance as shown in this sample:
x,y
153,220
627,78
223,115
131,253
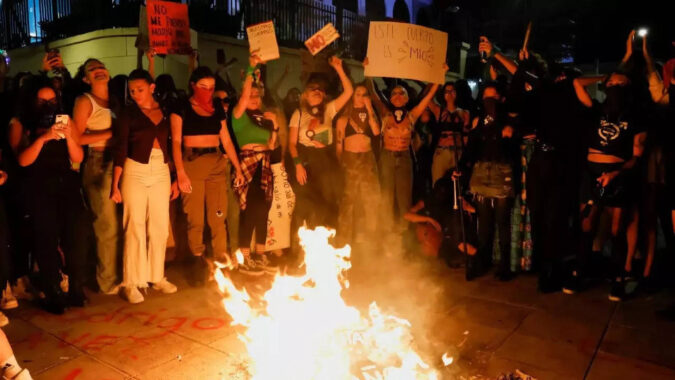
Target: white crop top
x,y
99,120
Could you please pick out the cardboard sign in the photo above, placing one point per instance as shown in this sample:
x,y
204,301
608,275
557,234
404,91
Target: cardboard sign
x,y
400,50
169,27
263,38
322,38
281,212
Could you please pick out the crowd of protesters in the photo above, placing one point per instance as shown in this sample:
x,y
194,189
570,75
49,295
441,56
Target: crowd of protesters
x,y
533,175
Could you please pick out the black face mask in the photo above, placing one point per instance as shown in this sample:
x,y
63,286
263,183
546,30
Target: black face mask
x,y
618,99
46,113
490,106
399,113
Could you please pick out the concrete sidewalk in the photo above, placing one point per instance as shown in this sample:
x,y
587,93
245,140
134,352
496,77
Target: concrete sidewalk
x,y
488,326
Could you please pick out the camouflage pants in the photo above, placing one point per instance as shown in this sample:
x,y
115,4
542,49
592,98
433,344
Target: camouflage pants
x,y
359,205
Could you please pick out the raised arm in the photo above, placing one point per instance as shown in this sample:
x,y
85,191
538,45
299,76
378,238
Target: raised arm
x,y
580,85
419,108
656,88
486,46
379,105
240,108
629,48
347,88
150,54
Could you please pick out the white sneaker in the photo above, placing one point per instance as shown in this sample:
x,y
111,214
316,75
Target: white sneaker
x,y
23,375
165,286
133,295
4,321
8,300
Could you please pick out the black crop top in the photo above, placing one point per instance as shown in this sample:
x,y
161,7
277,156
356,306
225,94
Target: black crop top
x,y
359,118
450,121
198,125
614,135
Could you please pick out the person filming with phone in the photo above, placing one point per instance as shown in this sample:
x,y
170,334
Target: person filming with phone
x,y
43,139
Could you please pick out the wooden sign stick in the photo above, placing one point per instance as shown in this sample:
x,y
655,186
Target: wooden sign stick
x,y
527,35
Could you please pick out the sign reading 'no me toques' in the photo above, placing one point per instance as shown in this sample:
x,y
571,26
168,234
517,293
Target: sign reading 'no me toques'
x,y
400,50
168,27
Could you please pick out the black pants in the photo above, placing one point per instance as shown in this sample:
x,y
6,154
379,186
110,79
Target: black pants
x,y
59,220
317,200
494,212
256,213
552,193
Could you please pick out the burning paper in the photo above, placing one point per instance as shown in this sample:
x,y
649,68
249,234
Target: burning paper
x,y
304,330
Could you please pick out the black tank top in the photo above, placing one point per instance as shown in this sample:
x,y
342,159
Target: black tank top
x,y
198,125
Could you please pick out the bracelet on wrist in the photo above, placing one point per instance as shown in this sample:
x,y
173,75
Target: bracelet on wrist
x,y
250,70
297,161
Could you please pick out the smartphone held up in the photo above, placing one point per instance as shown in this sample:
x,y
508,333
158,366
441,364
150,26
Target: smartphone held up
x,y
61,121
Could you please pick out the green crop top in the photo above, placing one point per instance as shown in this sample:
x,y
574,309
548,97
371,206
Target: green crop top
x,y
247,131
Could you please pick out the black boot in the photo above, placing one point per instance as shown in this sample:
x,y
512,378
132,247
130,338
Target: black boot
x,y
198,271
76,297
474,267
54,301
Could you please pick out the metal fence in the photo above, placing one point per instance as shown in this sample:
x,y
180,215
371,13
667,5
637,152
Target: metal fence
x,y
26,22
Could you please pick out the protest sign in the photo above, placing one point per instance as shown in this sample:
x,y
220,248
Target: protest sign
x,y
400,50
322,38
169,27
262,37
281,212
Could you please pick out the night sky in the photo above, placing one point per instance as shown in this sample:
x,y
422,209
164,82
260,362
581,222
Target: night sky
x,y
593,29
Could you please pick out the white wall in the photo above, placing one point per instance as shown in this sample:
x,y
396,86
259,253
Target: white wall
x,y
115,48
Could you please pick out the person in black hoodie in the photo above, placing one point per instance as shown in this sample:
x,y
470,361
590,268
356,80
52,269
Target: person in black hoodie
x,y
488,161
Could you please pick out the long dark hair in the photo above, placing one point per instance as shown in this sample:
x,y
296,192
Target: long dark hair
x,y
28,113
349,107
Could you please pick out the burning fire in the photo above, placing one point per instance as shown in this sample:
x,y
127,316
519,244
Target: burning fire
x,y
302,329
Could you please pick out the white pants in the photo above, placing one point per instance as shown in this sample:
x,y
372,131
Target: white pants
x,y
146,189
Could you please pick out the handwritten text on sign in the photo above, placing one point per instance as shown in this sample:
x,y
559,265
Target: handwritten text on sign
x,y
322,38
169,27
400,50
262,37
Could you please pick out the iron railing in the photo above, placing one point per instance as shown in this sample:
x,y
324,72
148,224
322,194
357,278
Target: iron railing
x,y
26,22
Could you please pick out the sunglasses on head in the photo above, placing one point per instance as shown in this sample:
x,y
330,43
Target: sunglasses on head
x,y
315,88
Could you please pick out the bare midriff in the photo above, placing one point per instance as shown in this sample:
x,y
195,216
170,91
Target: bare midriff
x,y
255,147
201,141
357,143
447,138
397,136
595,155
